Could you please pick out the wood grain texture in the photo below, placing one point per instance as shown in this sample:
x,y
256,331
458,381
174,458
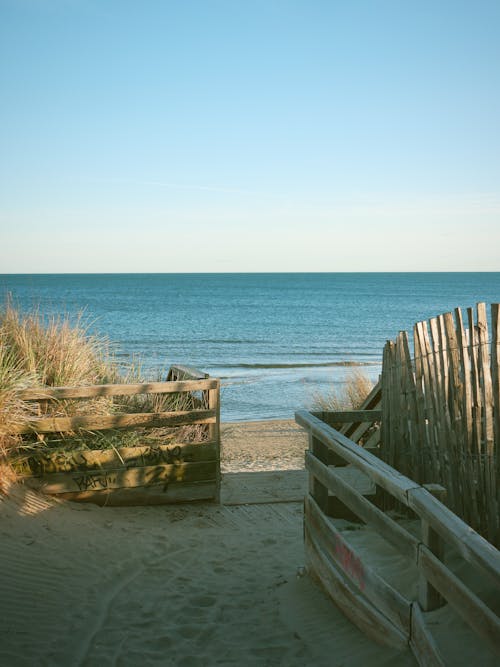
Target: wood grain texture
x,y
155,494
469,607
348,416
117,479
422,643
47,462
472,547
383,596
116,421
391,531
94,391
381,473
353,604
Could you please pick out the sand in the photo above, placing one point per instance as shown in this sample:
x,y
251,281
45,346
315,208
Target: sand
x,y
189,585
264,445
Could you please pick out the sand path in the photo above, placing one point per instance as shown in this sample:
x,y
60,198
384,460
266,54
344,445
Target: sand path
x,y
186,585
189,585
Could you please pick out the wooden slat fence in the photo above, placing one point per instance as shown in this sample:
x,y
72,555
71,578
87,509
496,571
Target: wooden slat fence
x,y
170,471
441,411
380,610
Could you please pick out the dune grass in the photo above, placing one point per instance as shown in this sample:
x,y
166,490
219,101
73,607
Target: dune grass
x,y
36,351
349,395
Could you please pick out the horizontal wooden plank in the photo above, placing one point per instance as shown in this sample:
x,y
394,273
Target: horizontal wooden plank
x,y
117,421
65,482
348,416
381,594
352,603
155,494
422,643
94,391
391,531
471,609
46,462
356,479
381,473
470,544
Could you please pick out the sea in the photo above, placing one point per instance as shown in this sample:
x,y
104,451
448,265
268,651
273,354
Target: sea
x,y
275,340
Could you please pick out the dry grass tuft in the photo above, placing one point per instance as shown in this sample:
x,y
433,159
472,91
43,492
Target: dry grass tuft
x,y
350,395
36,351
54,352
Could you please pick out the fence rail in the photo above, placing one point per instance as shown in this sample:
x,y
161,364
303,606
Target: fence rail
x,y
374,605
161,472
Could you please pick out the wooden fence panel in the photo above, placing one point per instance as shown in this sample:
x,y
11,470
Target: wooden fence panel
x,y
161,472
441,412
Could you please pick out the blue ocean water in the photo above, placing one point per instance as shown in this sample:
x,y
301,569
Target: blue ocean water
x,y
274,339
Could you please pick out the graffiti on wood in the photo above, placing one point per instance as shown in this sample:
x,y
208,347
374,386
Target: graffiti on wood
x,y
351,563
98,481
47,463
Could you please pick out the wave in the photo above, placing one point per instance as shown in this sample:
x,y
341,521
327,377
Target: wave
x,y
327,364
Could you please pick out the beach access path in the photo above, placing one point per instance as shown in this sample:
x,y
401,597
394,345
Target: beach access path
x,y
186,585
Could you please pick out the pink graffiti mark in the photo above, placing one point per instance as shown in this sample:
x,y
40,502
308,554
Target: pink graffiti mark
x,y
351,563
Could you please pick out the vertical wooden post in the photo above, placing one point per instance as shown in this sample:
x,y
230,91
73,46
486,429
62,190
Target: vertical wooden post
x,y
428,597
214,431
317,490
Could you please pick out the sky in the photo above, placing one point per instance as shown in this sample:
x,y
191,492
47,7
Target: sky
x,y
256,135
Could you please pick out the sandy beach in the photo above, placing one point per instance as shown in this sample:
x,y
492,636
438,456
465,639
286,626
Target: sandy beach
x,y
185,585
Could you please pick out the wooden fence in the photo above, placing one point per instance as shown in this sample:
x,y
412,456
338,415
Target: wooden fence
x,y
441,411
179,470
341,470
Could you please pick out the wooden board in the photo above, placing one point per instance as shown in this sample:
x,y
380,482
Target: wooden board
x,y
471,609
381,594
47,462
470,544
399,538
356,479
422,643
186,373
156,494
381,473
94,391
348,416
116,421
352,603
78,481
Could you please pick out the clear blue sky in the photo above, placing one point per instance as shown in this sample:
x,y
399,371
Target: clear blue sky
x,y
249,136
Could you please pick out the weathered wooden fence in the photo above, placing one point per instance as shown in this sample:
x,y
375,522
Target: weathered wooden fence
x,y
178,470
344,474
441,411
